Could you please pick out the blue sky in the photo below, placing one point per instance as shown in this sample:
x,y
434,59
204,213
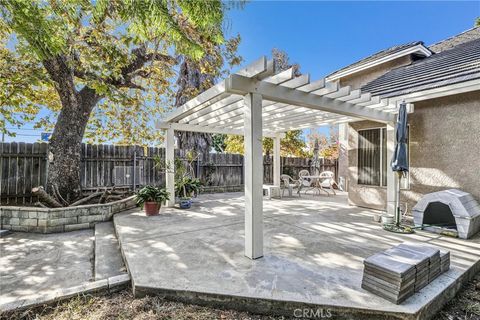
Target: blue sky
x,y
325,36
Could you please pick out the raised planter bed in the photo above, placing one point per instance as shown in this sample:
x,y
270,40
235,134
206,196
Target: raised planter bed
x,y
51,220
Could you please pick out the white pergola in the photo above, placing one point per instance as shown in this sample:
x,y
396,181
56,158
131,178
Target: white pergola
x,y
256,103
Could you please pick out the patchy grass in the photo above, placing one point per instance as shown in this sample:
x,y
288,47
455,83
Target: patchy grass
x,y
122,305
466,305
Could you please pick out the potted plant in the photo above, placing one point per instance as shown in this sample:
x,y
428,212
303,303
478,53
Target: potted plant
x,y
185,188
151,199
186,184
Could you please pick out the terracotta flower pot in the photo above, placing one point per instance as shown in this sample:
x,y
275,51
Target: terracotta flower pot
x,y
152,208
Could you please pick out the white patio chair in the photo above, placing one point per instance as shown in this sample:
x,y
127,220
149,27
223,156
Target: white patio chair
x,y
327,179
288,183
304,183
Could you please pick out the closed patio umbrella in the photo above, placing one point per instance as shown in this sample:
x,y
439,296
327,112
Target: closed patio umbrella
x,y
315,161
399,161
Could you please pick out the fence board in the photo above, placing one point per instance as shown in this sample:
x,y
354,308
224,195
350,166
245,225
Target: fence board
x,y
25,165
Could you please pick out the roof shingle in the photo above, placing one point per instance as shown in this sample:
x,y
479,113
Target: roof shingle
x,y
449,43
457,64
376,56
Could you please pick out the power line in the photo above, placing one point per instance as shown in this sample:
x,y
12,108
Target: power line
x,y
21,129
26,135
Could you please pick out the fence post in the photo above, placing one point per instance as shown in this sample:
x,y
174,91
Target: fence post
x,y
199,159
47,157
134,168
242,178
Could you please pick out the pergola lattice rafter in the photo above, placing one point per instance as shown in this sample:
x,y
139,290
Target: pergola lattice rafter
x,y
288,102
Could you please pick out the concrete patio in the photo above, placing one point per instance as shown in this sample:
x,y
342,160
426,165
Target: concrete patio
x,y
313,257
35,265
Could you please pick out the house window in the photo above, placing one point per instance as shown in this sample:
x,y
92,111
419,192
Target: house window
x,y
372,158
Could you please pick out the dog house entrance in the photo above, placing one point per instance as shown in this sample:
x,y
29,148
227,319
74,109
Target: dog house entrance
x,y
439,215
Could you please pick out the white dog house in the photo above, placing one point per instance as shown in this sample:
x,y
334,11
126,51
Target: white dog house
x,y
256,103
450,211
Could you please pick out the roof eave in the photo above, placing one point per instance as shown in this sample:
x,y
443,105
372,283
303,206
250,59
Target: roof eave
x,y
417,49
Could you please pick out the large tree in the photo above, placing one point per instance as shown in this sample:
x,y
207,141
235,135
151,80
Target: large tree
x,y
85,53
196,76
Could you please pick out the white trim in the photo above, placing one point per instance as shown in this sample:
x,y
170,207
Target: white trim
x,y
419,48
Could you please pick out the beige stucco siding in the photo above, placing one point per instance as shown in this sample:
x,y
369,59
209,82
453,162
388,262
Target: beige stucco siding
x,y
444,151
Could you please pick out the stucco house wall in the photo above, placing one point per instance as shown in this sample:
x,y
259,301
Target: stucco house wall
x,y
444,151
356,81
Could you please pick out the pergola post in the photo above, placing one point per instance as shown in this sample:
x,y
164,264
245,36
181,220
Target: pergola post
x,y
392,178
253,176
170,165
276,160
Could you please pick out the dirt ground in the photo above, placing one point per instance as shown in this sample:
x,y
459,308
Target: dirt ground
x,y
122,305
466,305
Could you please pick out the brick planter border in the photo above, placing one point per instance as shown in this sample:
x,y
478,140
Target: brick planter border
x,y
52,220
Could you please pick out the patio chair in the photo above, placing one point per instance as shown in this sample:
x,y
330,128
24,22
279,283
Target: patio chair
x,y
304,183
288,183
328,180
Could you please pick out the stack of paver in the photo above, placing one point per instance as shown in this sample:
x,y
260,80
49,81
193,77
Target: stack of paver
x,y
388,277
432,253
397,273
420,261
444,260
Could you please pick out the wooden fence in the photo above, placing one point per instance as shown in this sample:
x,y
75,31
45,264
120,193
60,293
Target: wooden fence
x,y
25,165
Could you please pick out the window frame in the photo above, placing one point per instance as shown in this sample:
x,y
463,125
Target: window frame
x,y
406,186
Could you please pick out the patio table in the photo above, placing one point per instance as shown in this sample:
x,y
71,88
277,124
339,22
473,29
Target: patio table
x,y
316,183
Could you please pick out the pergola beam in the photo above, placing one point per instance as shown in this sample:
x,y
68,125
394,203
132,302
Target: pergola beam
x,y
326,122
238,84
218,106
215,112
206,129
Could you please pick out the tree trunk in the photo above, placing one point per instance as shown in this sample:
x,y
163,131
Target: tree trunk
x,y
190,78
66,144
66,139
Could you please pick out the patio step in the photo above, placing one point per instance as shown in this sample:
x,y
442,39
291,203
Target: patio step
x,y
108,259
